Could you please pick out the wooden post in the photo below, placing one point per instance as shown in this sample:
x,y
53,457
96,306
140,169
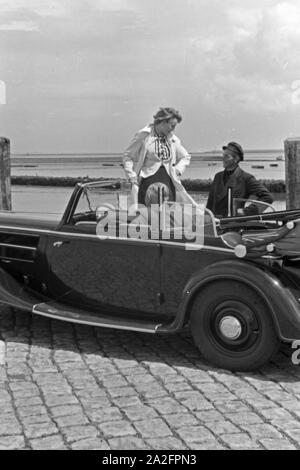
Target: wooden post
x,y
292,172
5,190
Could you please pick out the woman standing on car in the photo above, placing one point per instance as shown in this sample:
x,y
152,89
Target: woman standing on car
x,y
155,159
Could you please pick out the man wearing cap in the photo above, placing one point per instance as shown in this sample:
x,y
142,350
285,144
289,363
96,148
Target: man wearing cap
x,y
242,184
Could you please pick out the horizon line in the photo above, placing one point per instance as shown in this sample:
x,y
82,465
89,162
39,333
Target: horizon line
x,y
202,152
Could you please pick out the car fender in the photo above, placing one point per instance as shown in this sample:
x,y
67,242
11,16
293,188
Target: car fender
x,y
13,293
283,305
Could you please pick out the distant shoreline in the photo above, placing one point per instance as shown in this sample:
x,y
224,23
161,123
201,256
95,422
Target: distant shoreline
x,y
200,152
193,185
215,155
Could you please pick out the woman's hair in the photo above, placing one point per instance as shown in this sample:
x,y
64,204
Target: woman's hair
x,y
164,114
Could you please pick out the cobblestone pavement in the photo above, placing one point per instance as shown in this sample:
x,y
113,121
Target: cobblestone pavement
x,y
64,386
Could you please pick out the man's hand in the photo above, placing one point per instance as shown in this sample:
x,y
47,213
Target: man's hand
x,y
251,210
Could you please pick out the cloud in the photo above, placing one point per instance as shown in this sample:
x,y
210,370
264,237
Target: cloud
x,y
63,8
26,26
111,5
233,94
231,61
249,63
51,8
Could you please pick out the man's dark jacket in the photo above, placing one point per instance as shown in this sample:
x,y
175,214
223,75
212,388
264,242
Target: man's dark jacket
x,y
243,186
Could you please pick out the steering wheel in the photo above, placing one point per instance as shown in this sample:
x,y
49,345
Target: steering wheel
x,y
102,210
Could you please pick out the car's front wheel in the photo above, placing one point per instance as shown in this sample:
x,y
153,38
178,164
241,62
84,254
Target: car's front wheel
x,y
232,326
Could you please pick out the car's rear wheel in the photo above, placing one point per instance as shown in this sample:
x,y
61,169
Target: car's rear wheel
x,y
232,326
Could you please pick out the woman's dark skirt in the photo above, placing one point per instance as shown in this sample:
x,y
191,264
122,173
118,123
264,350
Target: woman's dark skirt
x,y
161,176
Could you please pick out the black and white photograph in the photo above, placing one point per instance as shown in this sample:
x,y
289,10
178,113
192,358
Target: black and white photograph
x,y
149,227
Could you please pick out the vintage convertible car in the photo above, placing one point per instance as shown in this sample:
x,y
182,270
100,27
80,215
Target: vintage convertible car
x,y
236,285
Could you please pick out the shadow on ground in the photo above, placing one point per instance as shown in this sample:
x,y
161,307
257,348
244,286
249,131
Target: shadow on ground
x,y
174,350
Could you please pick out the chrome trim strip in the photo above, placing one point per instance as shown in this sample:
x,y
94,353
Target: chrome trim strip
x,y
87,235
87,222
9,259
101,325
44,231
11,245
217,248
100,184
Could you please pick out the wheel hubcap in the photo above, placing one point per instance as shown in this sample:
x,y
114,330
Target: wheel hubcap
x,y
233,325
230,327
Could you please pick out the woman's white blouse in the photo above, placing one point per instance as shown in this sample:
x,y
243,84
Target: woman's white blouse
x,y
143,157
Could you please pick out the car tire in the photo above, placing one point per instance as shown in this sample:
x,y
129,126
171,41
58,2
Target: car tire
x,y
232,326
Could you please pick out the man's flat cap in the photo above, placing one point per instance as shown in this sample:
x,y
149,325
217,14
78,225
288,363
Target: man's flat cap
x,y
236,148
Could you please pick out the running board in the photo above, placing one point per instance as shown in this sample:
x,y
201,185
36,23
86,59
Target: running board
x,y
58,311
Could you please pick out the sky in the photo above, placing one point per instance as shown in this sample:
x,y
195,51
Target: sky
x,y
85,75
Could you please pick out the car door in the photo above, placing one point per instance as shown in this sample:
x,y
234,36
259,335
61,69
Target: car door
x,y
111,273
115,273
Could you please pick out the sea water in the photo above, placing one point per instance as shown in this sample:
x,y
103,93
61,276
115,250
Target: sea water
x,y
263,164
53,200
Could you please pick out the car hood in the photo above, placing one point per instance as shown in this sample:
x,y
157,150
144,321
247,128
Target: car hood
x,y
33,220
